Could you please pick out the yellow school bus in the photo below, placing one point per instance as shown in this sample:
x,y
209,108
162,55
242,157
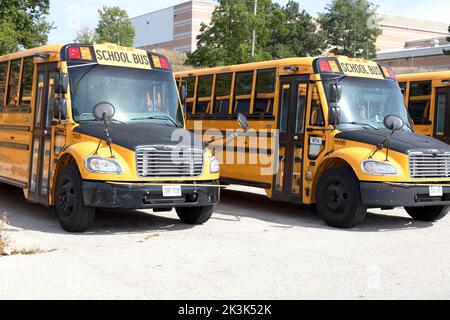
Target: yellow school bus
x,y
427,96
100,126
335,131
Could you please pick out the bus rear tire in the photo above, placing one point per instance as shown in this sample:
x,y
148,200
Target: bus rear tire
x,y
338,199
73,215
427,214
195,215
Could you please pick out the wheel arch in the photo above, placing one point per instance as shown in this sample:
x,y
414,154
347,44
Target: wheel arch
x,y
330,163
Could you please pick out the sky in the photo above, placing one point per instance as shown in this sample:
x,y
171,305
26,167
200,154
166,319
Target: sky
x,y
70,16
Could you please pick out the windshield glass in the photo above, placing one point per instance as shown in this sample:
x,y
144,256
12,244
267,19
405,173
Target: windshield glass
x,y
366,102
137,95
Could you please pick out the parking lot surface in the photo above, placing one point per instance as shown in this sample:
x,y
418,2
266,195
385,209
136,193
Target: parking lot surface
x,y
252,248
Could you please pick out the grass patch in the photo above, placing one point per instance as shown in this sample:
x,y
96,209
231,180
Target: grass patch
x,y
148,237
4,240
30,252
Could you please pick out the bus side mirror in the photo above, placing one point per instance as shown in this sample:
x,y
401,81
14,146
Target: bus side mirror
x,y
62,83
60,109
243,122
334,115
335,93
183,94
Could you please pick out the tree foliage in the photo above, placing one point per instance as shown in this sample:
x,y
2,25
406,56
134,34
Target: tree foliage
x,y
349,27
85,36
296,34
280,32
114,26
23,24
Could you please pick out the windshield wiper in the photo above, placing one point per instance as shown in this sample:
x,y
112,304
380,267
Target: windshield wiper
x,y
158,118
361,124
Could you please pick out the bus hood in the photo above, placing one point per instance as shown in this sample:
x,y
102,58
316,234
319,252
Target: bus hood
x,y
133,135
401,141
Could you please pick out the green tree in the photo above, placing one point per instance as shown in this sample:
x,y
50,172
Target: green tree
x,y
114,26
295,34
349,28
23,24
228,38
85,36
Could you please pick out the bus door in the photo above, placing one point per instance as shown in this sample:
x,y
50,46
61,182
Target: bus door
x,y
293,101
442,115
42,134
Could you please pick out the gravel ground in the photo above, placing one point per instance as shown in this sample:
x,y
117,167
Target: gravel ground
x,y
253,248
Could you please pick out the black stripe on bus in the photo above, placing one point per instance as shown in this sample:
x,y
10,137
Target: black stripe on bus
x,y
15,128
252,134
247,150
222,117
14,183
246,183
14,145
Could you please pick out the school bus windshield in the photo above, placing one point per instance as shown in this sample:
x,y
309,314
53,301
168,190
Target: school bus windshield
x,y
366,102
137,95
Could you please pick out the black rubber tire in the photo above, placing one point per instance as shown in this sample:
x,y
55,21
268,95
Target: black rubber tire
x,y
428,214
338,199
195,215
72,214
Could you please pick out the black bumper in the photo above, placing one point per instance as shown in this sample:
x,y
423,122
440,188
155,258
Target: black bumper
x,y
384,195
147,196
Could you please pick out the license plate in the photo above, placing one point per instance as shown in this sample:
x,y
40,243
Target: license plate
x,y
172,191
436,192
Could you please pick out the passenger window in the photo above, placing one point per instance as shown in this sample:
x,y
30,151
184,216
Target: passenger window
x,y
3,74
190,86
27,85
243,92
13,86
204,94
317,118
301,104
223,93
441,114
284,108
403,86
265,91
420,101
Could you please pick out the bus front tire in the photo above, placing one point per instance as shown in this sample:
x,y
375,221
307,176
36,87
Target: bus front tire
x,y
72,214
427,214
339,200
195,215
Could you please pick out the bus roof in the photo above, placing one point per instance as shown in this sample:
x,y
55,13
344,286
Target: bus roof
x,y
55,49
251,66
437,75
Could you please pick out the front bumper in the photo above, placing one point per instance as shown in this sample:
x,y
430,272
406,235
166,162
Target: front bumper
x,y
148,196
385,195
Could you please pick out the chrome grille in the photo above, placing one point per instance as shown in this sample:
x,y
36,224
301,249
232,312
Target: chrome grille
x,y
162,161
428,165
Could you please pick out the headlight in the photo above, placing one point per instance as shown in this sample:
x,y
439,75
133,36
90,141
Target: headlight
x,y
103,165
214,165
377,168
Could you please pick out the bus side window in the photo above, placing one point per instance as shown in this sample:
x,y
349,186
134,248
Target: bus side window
x,y
265,91
420,101
317,118
13,86
243,92
27,85
403,86
222,93
3,73
190,83
204,94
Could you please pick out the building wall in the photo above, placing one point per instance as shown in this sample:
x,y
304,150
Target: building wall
x,y
185,23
